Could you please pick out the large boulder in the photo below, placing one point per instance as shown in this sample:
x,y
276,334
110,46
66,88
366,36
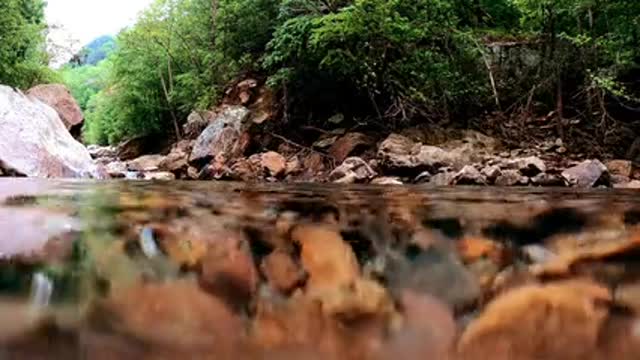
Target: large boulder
x,y
586,174
402,154
223,136
35,141
60,99
349,144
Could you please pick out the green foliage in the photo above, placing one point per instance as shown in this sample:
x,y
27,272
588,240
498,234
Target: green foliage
x,y
394,53
372,59
23,61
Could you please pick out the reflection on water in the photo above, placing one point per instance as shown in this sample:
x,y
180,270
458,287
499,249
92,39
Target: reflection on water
x,y
120,270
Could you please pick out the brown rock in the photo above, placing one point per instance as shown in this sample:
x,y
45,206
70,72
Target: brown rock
x,y
297,324
469,175
177,160
593,252
282,272
293,166
184,249
353,169
349,144
228,268
60,99
620,167
313,163
171,315
247,169
327,258
442,179
556,321
145,163
274,163
628,296
511,178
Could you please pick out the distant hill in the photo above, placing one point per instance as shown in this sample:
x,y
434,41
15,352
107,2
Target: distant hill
x,y
94,52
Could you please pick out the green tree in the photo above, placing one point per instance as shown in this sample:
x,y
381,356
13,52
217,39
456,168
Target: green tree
x,y
23,59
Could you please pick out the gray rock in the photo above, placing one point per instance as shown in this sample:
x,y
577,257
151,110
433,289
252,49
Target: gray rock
x,y
222,136
101,152
353,169
159,176
400,153
469,175
35,142
529,166
116,169
197,121
443,179
585,174
433,157
511,178
491,172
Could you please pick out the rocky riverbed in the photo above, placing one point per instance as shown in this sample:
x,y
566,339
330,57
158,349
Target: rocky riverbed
x,y
205,270
237,142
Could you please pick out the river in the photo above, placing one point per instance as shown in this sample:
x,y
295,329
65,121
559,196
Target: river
x,y
222,270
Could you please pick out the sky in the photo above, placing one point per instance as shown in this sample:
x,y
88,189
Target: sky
x,y
77,22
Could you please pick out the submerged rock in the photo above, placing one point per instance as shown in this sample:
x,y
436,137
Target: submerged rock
x,y
438,272
35,141
282,272
556,321
177,315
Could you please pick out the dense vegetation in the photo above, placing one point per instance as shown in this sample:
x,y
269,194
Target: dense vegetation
x,y
23,60
378,62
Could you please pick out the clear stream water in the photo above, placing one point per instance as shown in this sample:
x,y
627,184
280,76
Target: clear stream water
x,y
66,245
